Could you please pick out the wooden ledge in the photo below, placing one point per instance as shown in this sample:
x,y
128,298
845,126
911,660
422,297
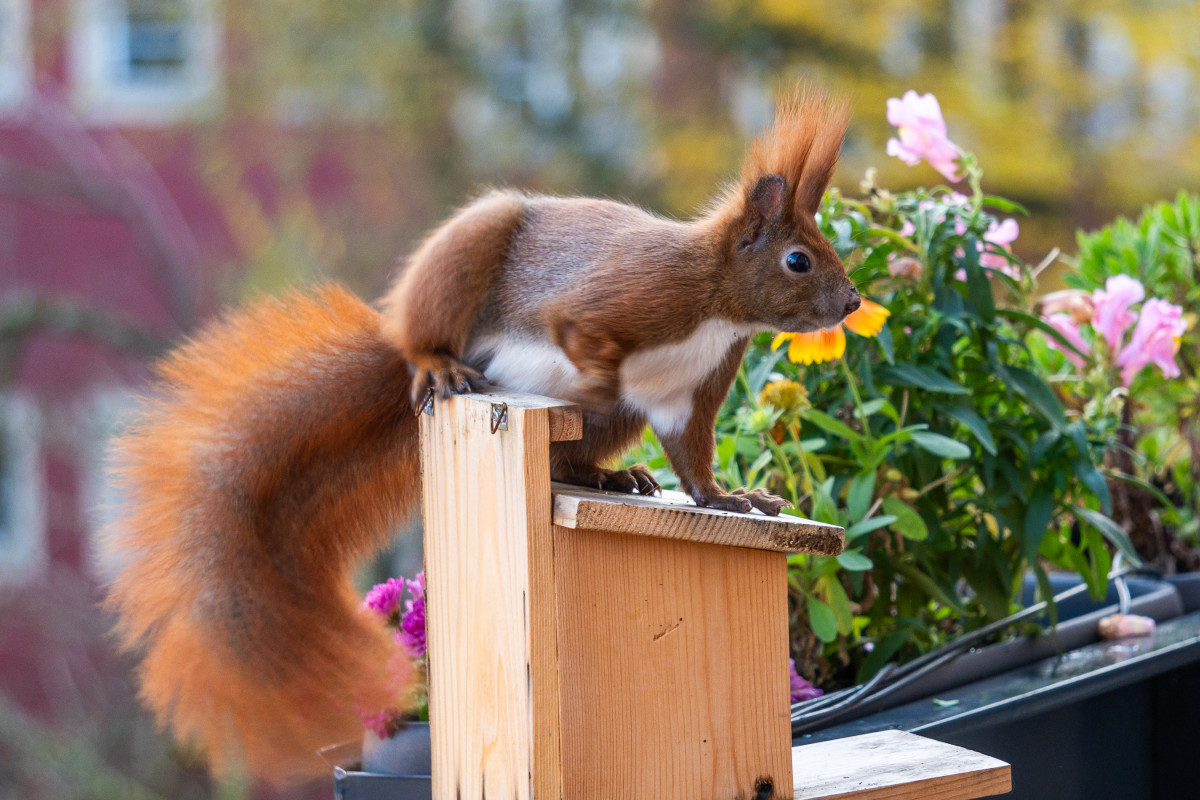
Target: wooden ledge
x,y
673,515
894,765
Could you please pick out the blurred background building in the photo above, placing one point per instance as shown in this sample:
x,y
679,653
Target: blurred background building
x,y
161,158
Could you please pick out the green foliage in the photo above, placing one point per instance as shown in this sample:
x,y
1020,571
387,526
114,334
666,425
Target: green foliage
x,y
937,444
1162,250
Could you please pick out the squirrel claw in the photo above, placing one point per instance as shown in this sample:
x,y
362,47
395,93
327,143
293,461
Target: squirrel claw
x,y
448,378
742,501
768,504
635,480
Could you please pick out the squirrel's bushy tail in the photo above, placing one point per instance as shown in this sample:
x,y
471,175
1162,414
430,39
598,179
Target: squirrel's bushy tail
x,y
279,448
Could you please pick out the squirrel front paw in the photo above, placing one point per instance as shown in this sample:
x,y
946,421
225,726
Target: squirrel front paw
x,y
443,376
635,479
742,501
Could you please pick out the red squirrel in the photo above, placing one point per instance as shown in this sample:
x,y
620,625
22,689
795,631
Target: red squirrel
x,y
279,446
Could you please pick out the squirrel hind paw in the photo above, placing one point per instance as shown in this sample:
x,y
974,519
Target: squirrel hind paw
x,y
444,379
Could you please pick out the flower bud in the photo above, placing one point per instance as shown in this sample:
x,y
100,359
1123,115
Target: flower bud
x,y
906,267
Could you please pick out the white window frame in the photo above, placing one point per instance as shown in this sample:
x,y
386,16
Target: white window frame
x,y
16,59
104,91
106,414
23,548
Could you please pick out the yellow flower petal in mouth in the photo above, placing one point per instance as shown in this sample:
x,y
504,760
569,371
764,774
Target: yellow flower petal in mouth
x,y
779,339
868,319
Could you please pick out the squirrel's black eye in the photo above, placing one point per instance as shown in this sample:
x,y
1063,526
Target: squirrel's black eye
x,y
798,262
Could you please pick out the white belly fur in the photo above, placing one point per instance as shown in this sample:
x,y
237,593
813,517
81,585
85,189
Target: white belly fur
x,y
658,382
528,365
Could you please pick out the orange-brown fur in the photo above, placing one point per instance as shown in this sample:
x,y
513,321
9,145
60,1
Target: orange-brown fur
x,y
280,445
278,450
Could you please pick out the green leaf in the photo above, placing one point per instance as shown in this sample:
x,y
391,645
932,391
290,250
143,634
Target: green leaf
x,y
970,419
1110,530
858,496
870,407
905,374
1037,519
1035,390
941,445
869,524
854,561
822,620
828,423
1092,478
979,291
908,522
725,451
883,651
1003,204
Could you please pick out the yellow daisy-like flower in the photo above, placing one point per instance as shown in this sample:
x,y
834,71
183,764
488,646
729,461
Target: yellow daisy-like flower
x,y
829,344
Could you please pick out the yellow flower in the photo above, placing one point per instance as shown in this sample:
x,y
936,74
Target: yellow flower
x,y
787,395
828,344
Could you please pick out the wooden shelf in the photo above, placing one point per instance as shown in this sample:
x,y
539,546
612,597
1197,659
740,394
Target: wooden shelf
x,y
673,515
894,765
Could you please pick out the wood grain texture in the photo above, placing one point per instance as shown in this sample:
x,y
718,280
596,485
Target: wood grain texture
x,y
895,765
490,601
674,668
673,515
565,419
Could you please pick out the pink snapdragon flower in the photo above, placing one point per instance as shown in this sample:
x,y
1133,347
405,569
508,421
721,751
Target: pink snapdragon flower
x,y
1155,340
411,635
1111,315
1064,324
922,134
1001,235
802,689
384,598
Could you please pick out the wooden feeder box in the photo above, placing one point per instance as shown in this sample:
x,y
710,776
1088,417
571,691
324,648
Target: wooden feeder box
x,y
586,645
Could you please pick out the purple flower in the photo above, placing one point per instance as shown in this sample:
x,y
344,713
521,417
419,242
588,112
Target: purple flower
x,y
1064,324
802,689
412,622
1155,340
384,598
383,724
1112,316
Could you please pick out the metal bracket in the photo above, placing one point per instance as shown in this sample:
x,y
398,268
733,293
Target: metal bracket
x,y
499,417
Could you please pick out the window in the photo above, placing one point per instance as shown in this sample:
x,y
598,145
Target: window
x,y
15,64
144,61
107,415
22,511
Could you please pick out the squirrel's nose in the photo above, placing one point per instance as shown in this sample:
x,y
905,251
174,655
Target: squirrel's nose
x,y
854,302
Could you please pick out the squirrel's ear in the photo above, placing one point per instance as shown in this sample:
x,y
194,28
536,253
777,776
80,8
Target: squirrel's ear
x,y
767,197
764,203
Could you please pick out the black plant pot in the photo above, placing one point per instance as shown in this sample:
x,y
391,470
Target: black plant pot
x,y
1188,586
1078,625
1109,719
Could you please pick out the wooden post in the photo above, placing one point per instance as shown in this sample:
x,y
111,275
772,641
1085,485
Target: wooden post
x,y
585,645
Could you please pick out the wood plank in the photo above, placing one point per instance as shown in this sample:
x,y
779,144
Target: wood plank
x,y
674,516
490,608
674,668
565,419
895,765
